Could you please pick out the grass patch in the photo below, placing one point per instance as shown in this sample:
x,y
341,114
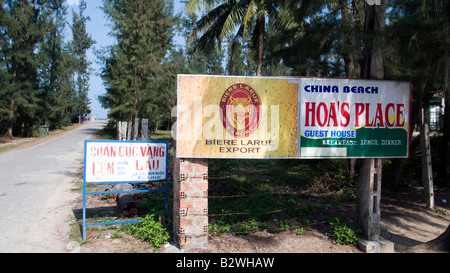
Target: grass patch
x,y
7,147
275,195
148,230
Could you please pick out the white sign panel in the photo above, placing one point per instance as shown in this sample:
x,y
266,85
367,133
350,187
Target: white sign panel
x,y
125,161
353,118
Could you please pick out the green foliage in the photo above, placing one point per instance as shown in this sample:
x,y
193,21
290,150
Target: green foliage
x,y
81,42
239,22
22,30
109,132
272,195
37,68
342,233
284,224
149,230
219,227
152,203
245,227
140,82
116,234
299,231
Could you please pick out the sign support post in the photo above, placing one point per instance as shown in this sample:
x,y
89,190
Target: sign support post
x,y
427,171
368,198
190,202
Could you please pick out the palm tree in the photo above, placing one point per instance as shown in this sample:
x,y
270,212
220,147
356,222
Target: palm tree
x,y
233,19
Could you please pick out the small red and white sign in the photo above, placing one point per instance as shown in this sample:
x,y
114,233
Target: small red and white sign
x,y
125,161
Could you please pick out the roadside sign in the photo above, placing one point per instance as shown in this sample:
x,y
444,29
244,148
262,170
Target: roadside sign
x,y
346,118
236,117
291,117
125,161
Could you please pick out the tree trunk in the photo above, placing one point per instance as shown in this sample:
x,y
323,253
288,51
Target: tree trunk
x,y
352,68
261,22
9,132
349,54
374,26
126,201
130,128
369,178
231,64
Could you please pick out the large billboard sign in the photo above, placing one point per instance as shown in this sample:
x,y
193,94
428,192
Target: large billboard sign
x,y
236,117
125,161
275,117
353,118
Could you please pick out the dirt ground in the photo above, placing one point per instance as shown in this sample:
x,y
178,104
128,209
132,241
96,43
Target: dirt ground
x,y
405,221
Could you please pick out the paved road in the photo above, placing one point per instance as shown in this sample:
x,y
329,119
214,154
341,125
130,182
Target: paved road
x,y
32,183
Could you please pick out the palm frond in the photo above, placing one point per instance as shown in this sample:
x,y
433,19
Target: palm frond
x,y
195,6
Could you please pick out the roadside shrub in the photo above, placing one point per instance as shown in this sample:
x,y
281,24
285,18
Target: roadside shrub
x,y
342,234
149,230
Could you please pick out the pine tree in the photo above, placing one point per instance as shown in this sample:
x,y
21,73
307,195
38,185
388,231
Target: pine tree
x,y
22,29
81,42
54,69
134,71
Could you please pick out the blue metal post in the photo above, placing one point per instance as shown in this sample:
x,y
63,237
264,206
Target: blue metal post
x,y
84,209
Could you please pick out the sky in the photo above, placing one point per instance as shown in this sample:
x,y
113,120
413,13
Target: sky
x,y
98,28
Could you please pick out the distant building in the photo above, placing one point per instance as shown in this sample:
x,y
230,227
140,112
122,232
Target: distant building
x,y
436,108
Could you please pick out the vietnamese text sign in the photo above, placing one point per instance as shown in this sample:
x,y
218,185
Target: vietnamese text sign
x,y
236,117
125,161
353,118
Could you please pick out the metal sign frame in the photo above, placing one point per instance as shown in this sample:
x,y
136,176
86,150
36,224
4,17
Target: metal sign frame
x,y
140,190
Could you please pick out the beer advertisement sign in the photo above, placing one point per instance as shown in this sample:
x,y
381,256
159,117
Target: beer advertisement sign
x,y
236,117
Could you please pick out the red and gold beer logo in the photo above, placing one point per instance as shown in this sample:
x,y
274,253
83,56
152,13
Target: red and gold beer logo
x,y
240,107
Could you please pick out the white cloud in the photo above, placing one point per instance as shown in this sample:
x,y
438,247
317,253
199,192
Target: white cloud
x,y
73,2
